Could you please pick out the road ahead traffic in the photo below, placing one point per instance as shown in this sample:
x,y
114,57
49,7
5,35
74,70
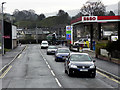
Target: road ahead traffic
x,y
35,69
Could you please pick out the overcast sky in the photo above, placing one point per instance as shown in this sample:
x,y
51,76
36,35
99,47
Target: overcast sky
x,y
46,6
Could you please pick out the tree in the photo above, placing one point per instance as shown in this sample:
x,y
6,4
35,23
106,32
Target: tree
x,y
111,13
77,16
61,12
119,8
25,15
63,17
93,9
41,17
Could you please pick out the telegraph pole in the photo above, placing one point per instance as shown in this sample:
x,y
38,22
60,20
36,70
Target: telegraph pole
x,y
2,29
36,35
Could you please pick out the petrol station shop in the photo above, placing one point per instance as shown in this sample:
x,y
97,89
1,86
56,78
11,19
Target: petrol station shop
x,y
96,27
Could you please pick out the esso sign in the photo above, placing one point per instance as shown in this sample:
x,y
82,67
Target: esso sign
x,y
89,18
68,28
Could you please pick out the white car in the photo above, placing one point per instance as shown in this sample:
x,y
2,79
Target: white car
x,y
44,44
81,41
51,50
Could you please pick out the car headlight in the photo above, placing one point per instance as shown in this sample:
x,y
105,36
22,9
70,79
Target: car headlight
x,y
58,55
73,66
92,66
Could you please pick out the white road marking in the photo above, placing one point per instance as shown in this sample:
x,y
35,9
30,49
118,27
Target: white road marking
x,y
53,73
19,56
58,82
49,67
47,63
3,68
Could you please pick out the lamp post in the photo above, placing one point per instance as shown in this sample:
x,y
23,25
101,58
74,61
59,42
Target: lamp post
x,y
2,29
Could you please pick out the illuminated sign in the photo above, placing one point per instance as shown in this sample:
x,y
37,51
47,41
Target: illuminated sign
x,y
68,32
68,36
7,37
69,28
89,18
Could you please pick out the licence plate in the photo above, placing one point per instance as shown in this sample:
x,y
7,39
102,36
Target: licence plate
x,y
83,70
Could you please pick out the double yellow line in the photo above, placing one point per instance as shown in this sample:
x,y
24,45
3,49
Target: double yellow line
x,y
5,72
8,69
109,77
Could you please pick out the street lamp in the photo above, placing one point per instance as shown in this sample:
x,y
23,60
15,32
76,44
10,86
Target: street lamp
x,y
2,29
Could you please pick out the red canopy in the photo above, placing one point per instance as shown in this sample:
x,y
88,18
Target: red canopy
x,y
88,19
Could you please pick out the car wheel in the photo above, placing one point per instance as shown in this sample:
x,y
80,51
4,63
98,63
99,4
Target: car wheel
x,y
47,53
65,71
69,73
56,60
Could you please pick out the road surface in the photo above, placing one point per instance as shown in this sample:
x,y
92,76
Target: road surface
x,y
35,69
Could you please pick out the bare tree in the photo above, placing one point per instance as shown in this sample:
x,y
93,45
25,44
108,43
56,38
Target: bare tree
x,y
96,8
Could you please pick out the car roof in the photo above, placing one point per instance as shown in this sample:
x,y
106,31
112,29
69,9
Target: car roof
x,y
64,48
44,41
52,46
79,53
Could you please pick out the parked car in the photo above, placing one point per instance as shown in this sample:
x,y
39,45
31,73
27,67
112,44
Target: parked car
x,y
61,54
44,44
82,41
51,49
80,63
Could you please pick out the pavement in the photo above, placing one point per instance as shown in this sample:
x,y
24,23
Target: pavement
x,y
9,56
105,65
33,68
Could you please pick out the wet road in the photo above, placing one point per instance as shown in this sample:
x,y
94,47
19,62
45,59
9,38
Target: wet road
x,y
35,69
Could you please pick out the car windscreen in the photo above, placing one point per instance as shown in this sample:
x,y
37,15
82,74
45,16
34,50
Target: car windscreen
x,y
63,51
52,47
80,57
80,40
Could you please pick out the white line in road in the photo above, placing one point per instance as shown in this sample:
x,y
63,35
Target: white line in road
x,y
19,56
58,82
47,63
52,73
44,59
49,67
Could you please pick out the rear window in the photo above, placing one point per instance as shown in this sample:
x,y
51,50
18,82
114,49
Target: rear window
x,y
63,51
44,43
52,47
